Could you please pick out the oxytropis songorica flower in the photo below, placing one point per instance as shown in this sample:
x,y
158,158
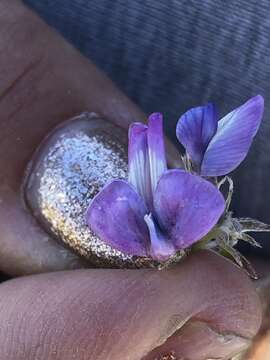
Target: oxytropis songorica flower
x,y
158,212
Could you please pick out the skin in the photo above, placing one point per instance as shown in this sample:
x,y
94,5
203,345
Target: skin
x,y
102,314
93,314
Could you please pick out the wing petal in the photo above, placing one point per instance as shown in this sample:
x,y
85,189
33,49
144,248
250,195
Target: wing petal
x,y
116,215
187,206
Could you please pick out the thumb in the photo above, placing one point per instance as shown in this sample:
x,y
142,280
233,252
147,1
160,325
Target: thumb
x,y
204,308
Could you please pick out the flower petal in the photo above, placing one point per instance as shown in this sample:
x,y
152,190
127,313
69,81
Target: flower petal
x,y
116,215
156,148
138,161
234,136
195,129
187,206
161,247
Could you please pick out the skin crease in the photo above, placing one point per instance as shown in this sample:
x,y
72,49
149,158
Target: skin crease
x,y
92,314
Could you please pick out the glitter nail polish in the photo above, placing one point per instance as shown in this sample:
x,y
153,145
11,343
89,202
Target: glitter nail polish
x,y
71,165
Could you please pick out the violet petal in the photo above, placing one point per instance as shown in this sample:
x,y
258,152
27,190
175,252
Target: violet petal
x,y
234,136
195,129
116,215
156,148
138,161
161,247
187,206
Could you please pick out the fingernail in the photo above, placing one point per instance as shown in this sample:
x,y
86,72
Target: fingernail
x,y
199,341
72,164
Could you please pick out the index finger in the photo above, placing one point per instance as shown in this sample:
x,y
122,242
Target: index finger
x,y
44,81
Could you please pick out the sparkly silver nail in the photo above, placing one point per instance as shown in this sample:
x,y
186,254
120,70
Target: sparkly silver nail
x,y
70,167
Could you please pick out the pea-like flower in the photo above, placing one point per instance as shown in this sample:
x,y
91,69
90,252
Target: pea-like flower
x,y
215,147
157,212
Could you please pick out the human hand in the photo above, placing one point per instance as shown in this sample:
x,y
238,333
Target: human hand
x,y
205,307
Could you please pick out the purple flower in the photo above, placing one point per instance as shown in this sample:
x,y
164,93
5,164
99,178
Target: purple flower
x,y
218,147
158,211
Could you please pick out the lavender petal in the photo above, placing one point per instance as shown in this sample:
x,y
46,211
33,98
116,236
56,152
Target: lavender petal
x,y
156,148
234,136
138,161
116,215
187,207
161,247
195,129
